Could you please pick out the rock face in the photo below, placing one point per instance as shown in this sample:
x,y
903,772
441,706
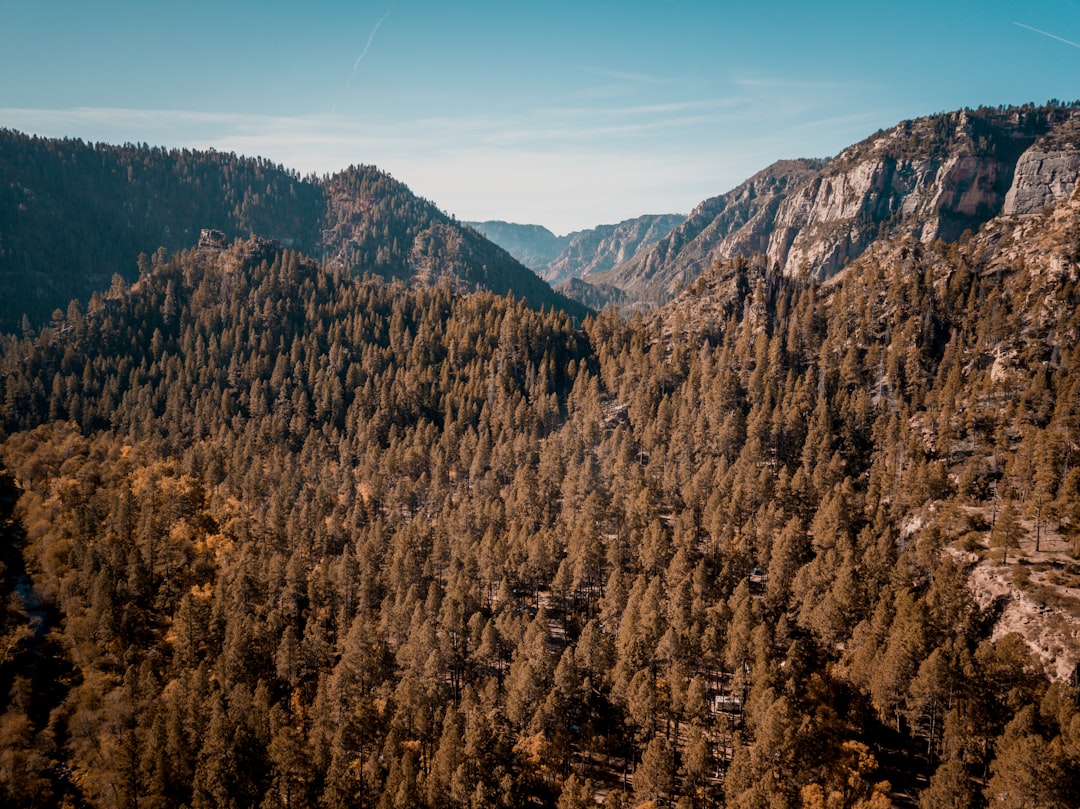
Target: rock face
x,y
1047,172
740,222
929,178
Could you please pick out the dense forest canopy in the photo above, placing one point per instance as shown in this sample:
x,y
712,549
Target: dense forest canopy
x,y
278,536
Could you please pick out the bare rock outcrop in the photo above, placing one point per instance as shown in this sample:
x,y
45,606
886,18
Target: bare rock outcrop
x,y
838,215
740,222
1047,172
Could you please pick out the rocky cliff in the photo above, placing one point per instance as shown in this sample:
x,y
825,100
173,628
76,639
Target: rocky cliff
x,y
740,222
1047,172
929,178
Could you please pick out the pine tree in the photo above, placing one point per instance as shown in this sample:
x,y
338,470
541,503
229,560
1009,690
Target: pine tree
x,y
1025,770
1007,531
950,788
654,777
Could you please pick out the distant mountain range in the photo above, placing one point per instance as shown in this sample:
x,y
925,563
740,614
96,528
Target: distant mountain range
x,y
927,178
582,253
74,214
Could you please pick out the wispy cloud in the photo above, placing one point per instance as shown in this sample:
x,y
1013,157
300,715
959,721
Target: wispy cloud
x,y
627,76
117,116
364,52
785,83
1047,34
662,108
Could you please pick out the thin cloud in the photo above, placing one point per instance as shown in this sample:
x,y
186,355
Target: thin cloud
x,y
650,109
785,83
364,52
1047,34
120,116
593,133
637,78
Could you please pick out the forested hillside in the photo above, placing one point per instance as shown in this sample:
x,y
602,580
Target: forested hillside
x,y
285,537
73,214
375,225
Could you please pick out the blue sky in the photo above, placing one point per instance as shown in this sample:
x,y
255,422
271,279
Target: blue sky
x,y
565,114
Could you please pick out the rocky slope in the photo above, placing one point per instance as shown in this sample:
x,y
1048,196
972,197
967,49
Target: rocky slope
x,y
929,178
1030,263
737,223
593,251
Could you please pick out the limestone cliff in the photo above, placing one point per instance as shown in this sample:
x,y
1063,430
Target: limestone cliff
x,y
1047,172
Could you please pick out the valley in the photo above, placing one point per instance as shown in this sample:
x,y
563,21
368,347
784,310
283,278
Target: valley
x,y
349,507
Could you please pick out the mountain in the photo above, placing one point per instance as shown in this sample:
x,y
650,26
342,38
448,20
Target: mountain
x,y
594,296
74,214
972,345
268,531
929,178
589,252
737,223
375,224
558,259
533,245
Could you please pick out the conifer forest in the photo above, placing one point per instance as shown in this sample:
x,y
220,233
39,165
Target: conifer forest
x,y
277,533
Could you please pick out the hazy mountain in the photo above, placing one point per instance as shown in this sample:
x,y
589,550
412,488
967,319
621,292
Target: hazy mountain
x,y
592,251
581,253
74,214
929,178
533,245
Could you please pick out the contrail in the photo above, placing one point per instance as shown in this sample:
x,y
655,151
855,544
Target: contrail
x,y
363,53
1047,34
